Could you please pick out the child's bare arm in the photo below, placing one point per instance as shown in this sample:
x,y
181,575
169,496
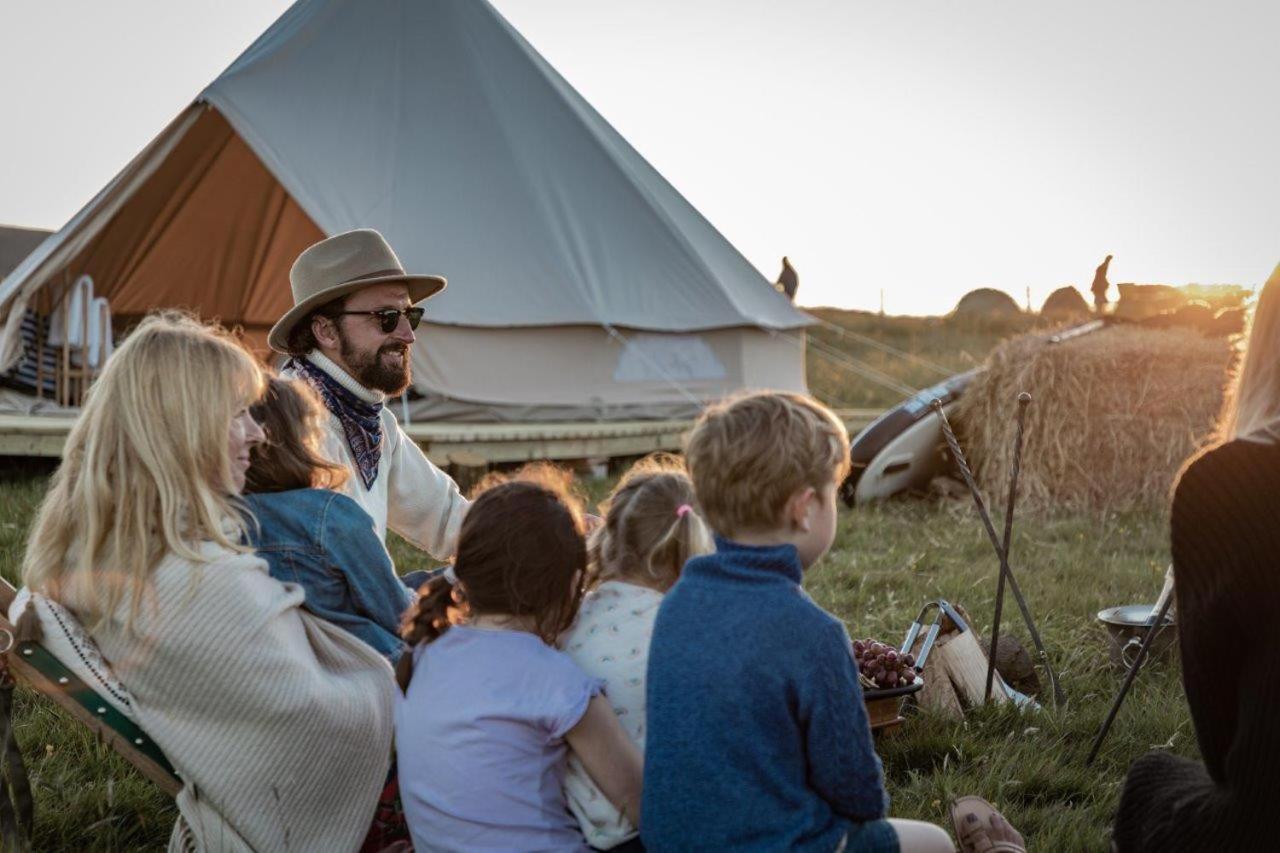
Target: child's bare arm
x,y
611,760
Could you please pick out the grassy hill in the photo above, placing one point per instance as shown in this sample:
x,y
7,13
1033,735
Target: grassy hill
x,y
841,359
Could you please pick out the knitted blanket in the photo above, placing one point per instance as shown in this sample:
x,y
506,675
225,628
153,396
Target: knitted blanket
x,y
278,723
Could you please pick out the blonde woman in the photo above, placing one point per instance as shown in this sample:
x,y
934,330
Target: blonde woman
x,y
278,723
1225,532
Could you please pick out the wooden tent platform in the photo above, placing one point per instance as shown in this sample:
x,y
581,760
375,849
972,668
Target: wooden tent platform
x,y
465,444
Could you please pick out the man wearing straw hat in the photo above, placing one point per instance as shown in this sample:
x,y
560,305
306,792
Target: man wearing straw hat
x,y
349,333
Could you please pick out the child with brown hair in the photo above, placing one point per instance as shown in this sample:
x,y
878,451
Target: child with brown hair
x,y
758,735
490,709
311,535
651,529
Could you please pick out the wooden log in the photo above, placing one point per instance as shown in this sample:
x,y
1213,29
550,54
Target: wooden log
x,y
959,655
1014,664
937,694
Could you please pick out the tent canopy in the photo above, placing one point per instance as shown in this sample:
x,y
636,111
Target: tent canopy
x,y
436,123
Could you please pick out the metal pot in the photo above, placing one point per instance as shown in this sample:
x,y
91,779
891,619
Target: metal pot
x,y
1127,625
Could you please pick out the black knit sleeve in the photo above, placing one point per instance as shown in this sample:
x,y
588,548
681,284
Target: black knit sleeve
x,y
1225,536
1226,561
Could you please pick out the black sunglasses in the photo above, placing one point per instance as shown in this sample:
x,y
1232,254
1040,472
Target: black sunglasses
x,y
389,318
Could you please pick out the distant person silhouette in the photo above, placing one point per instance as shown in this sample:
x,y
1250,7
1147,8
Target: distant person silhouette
x,y
1101,285
788,280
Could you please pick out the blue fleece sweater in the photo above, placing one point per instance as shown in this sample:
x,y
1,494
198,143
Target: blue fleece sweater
x,y
758,737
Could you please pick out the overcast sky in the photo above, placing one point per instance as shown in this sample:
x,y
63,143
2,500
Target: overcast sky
x,y
924,148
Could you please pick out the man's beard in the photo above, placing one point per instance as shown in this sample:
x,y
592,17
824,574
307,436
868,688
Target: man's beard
x,y
368,368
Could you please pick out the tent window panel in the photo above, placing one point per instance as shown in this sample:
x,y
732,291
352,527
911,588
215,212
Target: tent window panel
x,y
667,358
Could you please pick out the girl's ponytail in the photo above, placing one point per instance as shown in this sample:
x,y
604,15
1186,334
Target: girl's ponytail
x,y
652,527
520,555
426,619
685,538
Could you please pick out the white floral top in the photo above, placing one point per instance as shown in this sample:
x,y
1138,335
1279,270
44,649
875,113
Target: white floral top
x,y
610,641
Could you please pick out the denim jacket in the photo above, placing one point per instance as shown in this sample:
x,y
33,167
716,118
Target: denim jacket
x,y
326,542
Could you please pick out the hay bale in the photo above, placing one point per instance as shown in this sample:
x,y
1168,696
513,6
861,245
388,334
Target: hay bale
x,y
1065,303
1228,322
1147,300
1114,415
1193,315
987,302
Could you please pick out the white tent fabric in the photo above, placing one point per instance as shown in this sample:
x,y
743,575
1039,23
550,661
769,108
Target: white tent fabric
x,y
636,375
436,123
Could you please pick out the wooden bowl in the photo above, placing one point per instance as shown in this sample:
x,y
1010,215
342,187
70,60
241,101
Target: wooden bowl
x,y
884,705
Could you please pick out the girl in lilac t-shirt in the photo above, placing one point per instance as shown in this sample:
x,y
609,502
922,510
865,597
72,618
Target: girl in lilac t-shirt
x,y
490,709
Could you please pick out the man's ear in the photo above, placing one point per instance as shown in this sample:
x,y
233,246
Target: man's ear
x,y
325,331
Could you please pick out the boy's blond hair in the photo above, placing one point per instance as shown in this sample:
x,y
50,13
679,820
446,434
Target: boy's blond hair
x,y
747,456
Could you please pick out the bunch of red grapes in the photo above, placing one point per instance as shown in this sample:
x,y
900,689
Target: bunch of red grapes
x,y
883,665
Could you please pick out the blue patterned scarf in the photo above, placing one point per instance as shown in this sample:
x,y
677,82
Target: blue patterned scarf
x,y
361,421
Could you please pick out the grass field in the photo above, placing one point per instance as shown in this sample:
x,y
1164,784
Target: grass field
x,y
886,562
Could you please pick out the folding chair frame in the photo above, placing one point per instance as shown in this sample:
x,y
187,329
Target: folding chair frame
x,y
35,666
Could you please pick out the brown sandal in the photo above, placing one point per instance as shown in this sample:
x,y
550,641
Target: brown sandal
x,y
979,828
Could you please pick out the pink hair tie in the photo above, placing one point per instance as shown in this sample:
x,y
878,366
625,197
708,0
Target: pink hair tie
x,y
683,510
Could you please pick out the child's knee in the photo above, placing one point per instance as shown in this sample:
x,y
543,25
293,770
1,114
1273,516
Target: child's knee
x,y
916,836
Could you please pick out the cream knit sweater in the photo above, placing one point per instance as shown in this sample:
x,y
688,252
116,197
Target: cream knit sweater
x,y
278,723
410,495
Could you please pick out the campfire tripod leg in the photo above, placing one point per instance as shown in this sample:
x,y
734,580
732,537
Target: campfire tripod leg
x,y
1024,400
963,465
1155,627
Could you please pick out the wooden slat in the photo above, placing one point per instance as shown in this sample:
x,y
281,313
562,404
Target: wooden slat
x,y
444,443
31,676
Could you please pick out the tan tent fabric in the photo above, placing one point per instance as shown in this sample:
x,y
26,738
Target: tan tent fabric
x,y
211,230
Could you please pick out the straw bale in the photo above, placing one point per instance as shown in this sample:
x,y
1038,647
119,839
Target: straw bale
x,y
1065,302
1146,300
1113,415
987,302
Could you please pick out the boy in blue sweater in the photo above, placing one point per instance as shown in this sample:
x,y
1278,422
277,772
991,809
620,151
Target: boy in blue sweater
x,y
758,736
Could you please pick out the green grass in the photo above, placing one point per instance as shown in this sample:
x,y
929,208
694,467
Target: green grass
x,y
87,797
887,561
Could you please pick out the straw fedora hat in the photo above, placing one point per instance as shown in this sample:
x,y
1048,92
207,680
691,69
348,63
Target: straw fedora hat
x,y
340,265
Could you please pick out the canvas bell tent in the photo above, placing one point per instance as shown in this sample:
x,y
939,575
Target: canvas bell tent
x,y
581,284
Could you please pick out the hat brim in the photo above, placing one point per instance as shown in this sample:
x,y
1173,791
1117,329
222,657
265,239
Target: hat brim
x,y
420,287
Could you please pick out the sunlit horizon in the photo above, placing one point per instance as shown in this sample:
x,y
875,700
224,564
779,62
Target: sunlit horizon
x,y
921,151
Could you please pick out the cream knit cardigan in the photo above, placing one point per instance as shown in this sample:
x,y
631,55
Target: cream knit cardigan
x,y
278,723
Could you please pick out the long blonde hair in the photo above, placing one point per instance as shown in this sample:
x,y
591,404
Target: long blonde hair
x,y
1252,406
146,470
651,526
